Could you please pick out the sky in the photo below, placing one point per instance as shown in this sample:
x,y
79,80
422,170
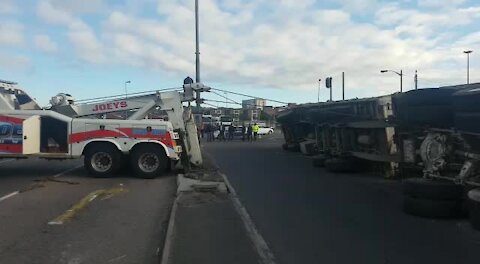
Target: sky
x,y
270,49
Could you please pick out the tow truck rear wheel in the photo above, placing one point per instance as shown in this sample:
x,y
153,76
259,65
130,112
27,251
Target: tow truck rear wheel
x,y
148,161
102,160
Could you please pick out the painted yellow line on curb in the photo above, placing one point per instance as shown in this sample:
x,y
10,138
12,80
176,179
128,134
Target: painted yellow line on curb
x,y
70,213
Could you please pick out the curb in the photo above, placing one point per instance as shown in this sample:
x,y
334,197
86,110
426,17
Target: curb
x,y
167,246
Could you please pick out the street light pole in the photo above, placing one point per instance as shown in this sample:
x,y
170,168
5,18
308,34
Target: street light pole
x,y
401,80
468,64
126,92
318,94
399,74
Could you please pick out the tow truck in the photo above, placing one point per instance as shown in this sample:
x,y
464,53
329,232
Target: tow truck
x,y
68,130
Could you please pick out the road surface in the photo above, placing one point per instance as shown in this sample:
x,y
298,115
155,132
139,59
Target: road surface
x,y
307,215
61,215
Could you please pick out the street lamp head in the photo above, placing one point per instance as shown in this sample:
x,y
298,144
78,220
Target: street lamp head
x,y
468,51
128,82
383,71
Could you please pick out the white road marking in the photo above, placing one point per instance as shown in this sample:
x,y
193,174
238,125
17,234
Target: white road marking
x,y
5,161
260,244
10,195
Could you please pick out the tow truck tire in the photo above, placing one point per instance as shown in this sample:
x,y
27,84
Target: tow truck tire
x,y
432,189
474,199
431,208
102,160
148,161
319,161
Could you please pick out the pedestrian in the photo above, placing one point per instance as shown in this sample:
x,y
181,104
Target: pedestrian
x,y
231,131
222,133
244,131
249,132
255,130
208,129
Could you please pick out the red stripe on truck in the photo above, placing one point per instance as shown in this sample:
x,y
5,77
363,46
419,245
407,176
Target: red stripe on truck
x,y
11,120
124,133
11,148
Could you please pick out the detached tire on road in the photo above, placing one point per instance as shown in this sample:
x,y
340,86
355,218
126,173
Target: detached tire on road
x,y
102,160
342,165
431,208
148,161
432,189
319,161
474,199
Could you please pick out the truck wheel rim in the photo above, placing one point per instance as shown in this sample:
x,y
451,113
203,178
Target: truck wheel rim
x,y
101,161
148,162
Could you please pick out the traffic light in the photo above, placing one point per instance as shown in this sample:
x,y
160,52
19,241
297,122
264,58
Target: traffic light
x,y
328,82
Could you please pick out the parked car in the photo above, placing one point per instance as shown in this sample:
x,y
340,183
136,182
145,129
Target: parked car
x,y
265,130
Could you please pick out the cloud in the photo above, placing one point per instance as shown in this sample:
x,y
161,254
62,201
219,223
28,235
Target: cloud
x,y
8,7
279,44
14,62
443,3
81,36
11,33
44,43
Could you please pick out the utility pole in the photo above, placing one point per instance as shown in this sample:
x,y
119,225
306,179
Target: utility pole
x,y
343,85
416,80
468,64
197,55
401,80
318,93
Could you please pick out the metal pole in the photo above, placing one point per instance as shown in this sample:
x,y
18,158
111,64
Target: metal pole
x,y
468,68
401,80
343,85
416,80
331,88
197,50
318,94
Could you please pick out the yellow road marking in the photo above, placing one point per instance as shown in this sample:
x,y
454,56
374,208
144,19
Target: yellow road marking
x,y
70,213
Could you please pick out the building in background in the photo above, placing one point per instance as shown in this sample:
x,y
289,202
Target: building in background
x,y
256,103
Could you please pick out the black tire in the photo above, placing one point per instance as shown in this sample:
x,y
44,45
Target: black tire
x,y
467,100
342,165
431,208
148,161
468,122
425,108
102,160
319,161
429,96
432,189
474,203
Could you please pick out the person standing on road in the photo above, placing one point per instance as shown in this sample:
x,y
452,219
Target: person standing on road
x,y
222,134
255,130
244,131
208,129
249,132
231,131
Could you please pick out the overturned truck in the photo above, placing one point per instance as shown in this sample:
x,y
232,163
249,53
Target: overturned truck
x,y
429,138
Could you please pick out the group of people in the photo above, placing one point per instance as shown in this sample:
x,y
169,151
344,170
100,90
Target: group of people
x,y
249,133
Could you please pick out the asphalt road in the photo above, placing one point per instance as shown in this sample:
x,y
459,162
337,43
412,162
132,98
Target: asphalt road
x,y
308,215
115,220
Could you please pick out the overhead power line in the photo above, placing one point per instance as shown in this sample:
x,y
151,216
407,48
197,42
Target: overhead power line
x,y
250,96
